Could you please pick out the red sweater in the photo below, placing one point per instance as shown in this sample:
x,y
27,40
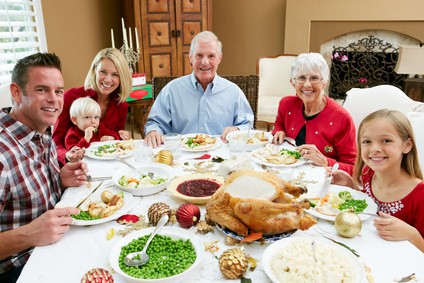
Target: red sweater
x,y
332,130
114,118
75,137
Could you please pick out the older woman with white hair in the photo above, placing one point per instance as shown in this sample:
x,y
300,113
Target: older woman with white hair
x,y
324,131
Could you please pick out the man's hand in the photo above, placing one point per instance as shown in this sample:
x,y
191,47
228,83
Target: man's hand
x,y
124,135
154,139
75,154
74,174
226,131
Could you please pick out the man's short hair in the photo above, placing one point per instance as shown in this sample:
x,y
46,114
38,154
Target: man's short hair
x,y
22,67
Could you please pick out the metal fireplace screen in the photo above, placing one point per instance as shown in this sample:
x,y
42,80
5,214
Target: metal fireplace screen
x,y
365,63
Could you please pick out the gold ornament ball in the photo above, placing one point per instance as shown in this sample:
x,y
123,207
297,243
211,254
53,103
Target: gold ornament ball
x,y
165,157
156,211
233,263
348,224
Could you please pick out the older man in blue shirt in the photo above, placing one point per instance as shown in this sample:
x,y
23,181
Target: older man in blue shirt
x,y
201,102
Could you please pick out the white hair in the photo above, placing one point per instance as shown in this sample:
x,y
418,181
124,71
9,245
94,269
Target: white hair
x,y
205,36
310,62
83,106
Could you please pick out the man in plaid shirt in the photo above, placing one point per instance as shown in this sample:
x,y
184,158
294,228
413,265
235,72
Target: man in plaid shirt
x,y
31,182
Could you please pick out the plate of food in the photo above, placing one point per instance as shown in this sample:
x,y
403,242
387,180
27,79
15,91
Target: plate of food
x,y
341,198
195,188
272,155
256,139
150,178
103,206
313,259
200,142
264,239
108,150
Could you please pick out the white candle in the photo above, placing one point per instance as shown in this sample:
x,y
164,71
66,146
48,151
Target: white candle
x,y
130,35
136,39
124,33
113,40
125,39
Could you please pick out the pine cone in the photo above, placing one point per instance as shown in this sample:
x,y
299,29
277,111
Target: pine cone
x,y
156,211
233,263
97,275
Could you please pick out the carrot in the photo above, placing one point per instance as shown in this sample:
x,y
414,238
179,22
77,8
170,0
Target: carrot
x,y
252,237
133,180
325,198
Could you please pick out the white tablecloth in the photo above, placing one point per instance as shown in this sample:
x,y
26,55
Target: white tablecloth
x,y
84,248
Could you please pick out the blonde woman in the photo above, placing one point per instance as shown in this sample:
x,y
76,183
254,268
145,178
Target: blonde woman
x,y
109,83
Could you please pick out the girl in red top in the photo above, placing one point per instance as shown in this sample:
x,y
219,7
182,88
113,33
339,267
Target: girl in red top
x,y
109,83
387,169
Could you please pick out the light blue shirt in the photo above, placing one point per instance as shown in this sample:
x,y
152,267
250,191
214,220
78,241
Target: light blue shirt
x,y
183,107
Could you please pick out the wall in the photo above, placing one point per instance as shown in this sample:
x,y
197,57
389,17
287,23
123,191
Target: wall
x,y
76,30
311,23
248,29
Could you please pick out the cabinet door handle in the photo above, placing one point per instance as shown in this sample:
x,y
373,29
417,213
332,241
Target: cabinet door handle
x,y
175,33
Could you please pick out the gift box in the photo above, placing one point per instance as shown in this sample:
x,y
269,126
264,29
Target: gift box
x,y
138,79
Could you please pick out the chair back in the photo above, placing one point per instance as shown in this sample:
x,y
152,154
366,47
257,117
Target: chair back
x,y
248,84
5,98
274,83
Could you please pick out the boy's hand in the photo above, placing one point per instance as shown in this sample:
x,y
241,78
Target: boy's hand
x,y
89,133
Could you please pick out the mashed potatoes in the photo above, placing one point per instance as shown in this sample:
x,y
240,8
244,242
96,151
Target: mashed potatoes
x,y
307,260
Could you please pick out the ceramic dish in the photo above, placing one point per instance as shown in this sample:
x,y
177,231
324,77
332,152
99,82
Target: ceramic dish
x,y
172,188
74,200
91,151
350,258
259,155
264,239
371,208
173,232
212,146
254,142
159,171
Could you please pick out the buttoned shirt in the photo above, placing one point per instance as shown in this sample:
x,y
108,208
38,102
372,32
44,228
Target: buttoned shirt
x,y
29,179
184,107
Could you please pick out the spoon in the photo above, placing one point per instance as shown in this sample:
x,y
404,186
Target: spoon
x,y
141,258
120,159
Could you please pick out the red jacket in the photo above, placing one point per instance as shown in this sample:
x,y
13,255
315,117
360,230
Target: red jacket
x,y
332,130
114,119
75,137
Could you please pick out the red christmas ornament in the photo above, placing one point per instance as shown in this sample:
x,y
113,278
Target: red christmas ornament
x,y
127,218
97,275
188,215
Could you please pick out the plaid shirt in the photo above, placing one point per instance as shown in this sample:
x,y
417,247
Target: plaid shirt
x,y
29,179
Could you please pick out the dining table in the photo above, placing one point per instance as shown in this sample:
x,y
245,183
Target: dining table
x,y
83,248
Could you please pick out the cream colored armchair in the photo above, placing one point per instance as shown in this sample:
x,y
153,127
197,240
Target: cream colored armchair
x,y
5,97
274,84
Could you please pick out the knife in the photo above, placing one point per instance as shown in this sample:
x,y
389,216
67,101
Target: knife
x,y
327,182
92,192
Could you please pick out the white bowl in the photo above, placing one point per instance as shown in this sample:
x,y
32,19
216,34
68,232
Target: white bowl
x,y
159,170
173,232
250,146
275,247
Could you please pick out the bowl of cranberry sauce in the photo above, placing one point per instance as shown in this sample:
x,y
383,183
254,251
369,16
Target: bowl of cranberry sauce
x,y
195,188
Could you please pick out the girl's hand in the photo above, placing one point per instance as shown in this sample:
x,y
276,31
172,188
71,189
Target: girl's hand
x,y
278,137
391,228
341,178
311,152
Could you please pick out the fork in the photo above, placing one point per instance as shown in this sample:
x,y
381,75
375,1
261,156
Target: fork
x,y
290,141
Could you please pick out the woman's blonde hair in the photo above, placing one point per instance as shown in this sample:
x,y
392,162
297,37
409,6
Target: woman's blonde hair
x,y
84,106
403,127
121,64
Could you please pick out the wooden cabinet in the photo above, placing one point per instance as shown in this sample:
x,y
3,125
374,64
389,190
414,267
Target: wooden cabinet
x,y
167,28
414,88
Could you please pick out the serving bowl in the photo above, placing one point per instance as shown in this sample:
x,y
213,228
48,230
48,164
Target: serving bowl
x,y
158,170
172,188
254,143
174,233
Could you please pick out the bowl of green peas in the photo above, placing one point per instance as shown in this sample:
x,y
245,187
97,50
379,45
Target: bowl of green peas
x,y
173,254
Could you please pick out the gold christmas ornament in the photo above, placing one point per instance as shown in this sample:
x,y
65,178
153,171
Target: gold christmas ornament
x,y
165,157
348,224
156,211
233,263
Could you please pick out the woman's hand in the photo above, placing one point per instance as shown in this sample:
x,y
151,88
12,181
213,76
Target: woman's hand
x,y
107,138
75,154
124,135
278,137
311,152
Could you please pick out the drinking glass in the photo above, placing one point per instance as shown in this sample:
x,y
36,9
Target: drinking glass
x,y
173,144
142,152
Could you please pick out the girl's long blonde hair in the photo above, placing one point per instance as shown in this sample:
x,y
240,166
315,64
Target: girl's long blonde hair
x,y
121,64
403,127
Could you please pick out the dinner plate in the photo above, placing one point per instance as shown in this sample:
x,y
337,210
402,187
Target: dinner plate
x,y
172,188
73,201
265,238
251,146
89,152
351,259
218,143
299,162
371,208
